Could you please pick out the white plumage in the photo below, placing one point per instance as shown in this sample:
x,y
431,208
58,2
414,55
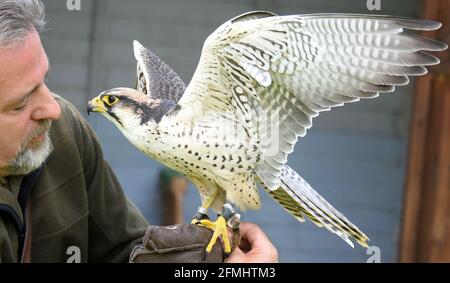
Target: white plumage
x,y
260,81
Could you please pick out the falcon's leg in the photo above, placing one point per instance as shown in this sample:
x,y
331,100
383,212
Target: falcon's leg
x,y
202,214
229,217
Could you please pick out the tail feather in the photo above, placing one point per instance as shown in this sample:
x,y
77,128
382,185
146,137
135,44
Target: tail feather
x,y
300,199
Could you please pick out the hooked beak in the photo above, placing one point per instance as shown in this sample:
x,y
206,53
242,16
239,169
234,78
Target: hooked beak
x,y
96,105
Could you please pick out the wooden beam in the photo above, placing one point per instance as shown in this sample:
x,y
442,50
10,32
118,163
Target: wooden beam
x,y
434,230
426,225
414,173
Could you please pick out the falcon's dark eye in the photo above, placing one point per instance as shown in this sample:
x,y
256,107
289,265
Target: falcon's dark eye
x,y
110,100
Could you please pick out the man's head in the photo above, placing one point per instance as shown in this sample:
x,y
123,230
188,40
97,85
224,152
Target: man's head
x,y
26,105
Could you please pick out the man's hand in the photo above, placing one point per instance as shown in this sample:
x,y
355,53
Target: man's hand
x,y
187,242
254,247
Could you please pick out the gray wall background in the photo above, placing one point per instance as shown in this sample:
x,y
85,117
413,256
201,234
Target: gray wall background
x,y
354,156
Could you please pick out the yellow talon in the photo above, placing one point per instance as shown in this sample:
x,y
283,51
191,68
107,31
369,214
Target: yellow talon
x,y
208,224
220,229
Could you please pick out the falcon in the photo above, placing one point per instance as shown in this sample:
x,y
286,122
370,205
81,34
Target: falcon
x,y
260,81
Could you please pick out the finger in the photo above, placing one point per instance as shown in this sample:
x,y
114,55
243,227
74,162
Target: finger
x,y
244,245
253,235
237,256
261,248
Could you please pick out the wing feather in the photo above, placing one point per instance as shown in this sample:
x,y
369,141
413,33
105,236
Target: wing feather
x,y
290,68
154,77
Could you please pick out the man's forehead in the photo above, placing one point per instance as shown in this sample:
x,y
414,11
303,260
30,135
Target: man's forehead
x,y
23,65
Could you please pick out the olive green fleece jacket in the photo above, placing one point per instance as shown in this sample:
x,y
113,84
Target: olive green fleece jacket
x,y
76,209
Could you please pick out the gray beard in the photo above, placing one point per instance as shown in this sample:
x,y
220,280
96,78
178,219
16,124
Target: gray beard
x,y
28,159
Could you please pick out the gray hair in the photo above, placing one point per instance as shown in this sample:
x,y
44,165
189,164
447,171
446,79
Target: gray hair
x,y
18,18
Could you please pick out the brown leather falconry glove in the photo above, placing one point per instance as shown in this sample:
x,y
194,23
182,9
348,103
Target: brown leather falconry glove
x,y
180,243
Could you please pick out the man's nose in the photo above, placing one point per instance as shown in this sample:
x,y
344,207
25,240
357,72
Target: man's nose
x,y
47,107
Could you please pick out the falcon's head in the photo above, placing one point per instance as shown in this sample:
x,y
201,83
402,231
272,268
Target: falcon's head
x,y
158,89
129,108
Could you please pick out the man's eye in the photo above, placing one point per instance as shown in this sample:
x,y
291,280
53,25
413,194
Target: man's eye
x,y
19,108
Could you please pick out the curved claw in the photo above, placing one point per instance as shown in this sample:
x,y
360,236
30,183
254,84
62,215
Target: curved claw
x,y
199,217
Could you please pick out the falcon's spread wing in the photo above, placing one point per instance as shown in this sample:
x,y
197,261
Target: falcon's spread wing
x,y
269,75
290,68
154,77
